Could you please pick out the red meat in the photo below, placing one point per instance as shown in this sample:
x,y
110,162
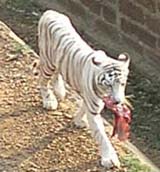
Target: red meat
x,y
122,120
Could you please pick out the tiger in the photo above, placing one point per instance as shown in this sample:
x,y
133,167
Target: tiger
x,y
65,58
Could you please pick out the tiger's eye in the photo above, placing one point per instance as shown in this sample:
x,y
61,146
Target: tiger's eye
x,y
110,75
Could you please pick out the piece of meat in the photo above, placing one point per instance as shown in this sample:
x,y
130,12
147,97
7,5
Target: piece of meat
x,y
122,120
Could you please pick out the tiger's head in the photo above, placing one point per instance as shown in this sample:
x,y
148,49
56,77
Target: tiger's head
x,y
112,75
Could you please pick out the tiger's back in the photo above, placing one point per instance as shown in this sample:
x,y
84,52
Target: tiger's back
x,y
62,49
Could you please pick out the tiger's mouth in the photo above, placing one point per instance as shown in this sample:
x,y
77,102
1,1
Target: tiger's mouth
x,y
125,102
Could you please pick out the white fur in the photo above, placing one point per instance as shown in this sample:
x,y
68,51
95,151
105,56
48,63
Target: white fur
x,y
59,87
49,99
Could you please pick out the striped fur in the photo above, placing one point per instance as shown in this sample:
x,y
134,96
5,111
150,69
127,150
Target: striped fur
x,y
64,56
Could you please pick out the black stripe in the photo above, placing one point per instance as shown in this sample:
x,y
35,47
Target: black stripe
x,y
69,40
114,70
93,113
45,42
74,54
49,66
93,105
83,60
74,66
52,23
112,67
91,53
54,31
67,70
68,46
47,75
88,83
60,39
96,91
109,66
50,27
86,58
90,111
117,68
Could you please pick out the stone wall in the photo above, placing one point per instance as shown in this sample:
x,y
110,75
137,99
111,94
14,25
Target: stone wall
x,y
116,26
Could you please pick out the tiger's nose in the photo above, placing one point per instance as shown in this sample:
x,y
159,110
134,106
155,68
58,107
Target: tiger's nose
x,y
117,102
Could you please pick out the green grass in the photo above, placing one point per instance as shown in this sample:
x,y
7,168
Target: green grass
x,y
133,164
19,48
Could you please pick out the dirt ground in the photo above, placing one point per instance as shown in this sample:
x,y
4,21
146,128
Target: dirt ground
x,y
34,139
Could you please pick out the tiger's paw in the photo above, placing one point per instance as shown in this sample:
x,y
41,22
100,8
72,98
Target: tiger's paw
x,y
111,161
50,104
49,100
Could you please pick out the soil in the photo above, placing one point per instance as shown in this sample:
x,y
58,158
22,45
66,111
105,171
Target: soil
x,y
34,139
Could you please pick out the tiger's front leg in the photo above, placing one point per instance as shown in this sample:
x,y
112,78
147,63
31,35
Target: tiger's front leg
x,y
59,86
49,100
109,157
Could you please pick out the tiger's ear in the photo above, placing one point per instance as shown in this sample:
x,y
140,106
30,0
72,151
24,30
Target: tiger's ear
x,y
124,57
97,63
99,57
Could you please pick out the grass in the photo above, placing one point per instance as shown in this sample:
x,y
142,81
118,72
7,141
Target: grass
x,y
19,48
133,164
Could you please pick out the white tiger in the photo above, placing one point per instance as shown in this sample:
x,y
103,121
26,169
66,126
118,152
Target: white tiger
x,y
64,56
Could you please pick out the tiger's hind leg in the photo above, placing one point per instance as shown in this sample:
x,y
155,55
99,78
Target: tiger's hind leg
x,y
49,99
59,86
79,120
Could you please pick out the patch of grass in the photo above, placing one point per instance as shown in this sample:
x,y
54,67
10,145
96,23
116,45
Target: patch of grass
x,y
19,48
133,164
